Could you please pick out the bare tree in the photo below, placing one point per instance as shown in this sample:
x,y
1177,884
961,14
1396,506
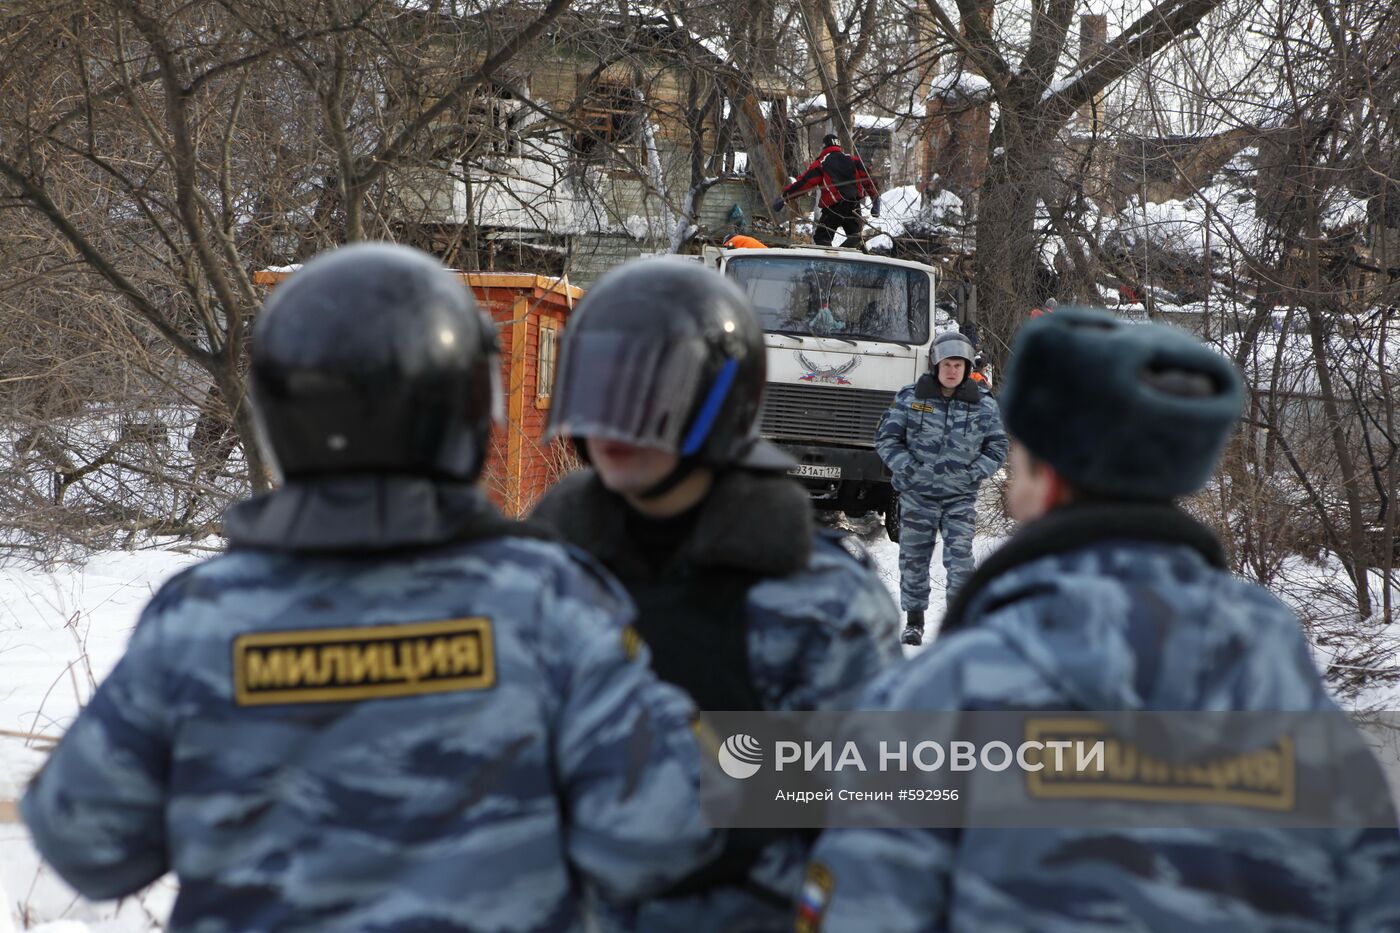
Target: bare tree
x,y
1033,107
170,150
1302,287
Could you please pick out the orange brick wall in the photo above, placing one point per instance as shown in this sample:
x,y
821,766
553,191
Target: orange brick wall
x,y
521,463
539,461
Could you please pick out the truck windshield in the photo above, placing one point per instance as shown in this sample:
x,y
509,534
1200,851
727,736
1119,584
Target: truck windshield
x,y
837,298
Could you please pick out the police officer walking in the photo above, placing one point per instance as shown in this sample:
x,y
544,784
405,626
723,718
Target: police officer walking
x,y
386,707
740,598
1110,597
940,439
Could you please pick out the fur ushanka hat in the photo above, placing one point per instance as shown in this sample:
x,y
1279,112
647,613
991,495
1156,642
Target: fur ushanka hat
x,y
1133,411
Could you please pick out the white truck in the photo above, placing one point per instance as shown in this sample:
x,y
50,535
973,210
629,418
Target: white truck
x,y
845,331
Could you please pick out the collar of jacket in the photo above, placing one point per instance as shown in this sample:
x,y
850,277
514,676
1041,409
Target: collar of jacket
x,y
929,387
1074,527
364,514
757,522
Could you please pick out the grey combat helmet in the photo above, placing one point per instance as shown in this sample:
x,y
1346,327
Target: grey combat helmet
x,y
952,344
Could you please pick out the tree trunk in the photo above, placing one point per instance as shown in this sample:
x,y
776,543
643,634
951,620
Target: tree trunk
x,y
1006,259
1357,562
234,388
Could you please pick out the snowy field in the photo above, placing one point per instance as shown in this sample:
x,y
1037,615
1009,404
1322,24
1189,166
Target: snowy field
x,y
60,633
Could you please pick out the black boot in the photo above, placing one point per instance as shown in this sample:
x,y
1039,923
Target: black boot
x,y
914,628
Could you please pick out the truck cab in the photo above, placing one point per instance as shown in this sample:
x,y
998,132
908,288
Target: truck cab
x,y
844,332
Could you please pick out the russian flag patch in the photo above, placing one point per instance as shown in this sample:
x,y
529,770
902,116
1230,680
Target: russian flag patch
x,y
813,898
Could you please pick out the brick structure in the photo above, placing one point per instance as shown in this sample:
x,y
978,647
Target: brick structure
x,y
956,144
530,311
957,129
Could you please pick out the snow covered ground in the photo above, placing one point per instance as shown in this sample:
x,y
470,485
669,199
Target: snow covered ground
x,y
886,554
60,634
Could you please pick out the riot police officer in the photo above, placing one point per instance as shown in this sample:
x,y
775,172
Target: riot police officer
x,y
386,706
1111,597
740,598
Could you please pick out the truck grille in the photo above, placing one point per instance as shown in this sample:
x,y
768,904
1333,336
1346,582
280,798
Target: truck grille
x,y
823,413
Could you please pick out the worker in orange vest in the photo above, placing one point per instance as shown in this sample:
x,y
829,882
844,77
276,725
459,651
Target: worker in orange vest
x,y
740,241
978,376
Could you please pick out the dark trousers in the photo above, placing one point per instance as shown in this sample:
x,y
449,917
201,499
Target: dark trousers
x,y
842,214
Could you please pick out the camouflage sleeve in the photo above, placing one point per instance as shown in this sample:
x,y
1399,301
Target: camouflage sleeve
x,y
995,444
1370,898
628,759
890,442
97,809
887,879
890,880
860,641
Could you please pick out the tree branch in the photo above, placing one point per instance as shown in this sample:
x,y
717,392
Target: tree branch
x,y
1048,31
979,45
375,166
1151,32
39,199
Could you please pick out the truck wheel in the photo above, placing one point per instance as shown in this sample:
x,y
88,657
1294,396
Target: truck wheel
x,y
892,519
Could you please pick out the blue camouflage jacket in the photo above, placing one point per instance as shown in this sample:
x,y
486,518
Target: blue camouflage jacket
x,y
940,448
316,733
814,626
1108,608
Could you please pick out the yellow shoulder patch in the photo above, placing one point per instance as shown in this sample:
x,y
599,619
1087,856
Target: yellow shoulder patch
x,y
1261,779
631,642
363,663
705,736
922,406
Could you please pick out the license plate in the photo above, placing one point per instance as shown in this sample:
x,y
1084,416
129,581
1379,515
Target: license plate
x,y
816,470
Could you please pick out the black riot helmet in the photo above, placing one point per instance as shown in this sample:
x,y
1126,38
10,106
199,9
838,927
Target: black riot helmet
x,y
665,353
374,359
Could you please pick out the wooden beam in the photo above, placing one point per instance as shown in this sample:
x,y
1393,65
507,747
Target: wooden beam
x,y
515,424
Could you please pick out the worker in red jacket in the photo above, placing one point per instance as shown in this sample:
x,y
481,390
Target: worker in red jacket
x,y
844,181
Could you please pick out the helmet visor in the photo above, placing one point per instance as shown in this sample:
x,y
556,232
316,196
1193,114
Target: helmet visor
x,y
953,345
621,387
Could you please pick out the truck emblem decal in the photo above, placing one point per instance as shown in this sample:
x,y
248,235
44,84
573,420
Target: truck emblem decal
x,y
835,375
